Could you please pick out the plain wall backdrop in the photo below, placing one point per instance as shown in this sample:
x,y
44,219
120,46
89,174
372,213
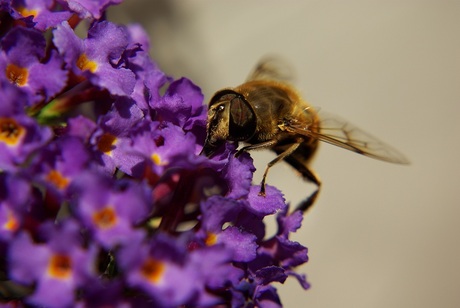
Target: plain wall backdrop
x,y
380,235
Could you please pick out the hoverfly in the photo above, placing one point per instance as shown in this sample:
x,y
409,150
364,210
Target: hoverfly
x,y
267,112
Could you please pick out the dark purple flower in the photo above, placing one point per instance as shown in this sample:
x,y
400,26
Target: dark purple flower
x,y
98,57
43,13
23,63
57,267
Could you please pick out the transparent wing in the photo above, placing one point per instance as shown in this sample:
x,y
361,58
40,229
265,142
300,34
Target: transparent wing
x,y
339,132
272,68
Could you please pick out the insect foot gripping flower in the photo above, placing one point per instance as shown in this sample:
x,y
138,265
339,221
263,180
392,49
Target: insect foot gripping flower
x,y
111,204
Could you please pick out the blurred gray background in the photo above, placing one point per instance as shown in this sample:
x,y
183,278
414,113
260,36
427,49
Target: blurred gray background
x,y
380,235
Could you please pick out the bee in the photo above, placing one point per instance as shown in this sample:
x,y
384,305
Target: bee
x,y
267,112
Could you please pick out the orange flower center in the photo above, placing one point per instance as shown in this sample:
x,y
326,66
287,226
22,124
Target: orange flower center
x,y
211,239
11,223
106,143
105,218
57,179
17,75
27,12
153,270
60,266
86,64
10,131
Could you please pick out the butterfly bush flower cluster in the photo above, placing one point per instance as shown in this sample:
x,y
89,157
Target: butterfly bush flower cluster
x,y
104,198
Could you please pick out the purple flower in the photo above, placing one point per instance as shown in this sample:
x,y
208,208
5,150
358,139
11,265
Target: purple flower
x,y
60,163
217,275
23,63
104,198
238,172
158,269
20,135
98,57
42,12
280,254
158,147
57,266
90,9
149,78
111,212
80,127
216,212
272,202
13,205
181,104
115,128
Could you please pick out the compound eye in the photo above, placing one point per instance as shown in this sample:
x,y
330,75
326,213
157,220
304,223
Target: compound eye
x,y
242,119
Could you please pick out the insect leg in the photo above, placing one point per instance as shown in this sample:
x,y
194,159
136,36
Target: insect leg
x,y
281,156
261,145
308,175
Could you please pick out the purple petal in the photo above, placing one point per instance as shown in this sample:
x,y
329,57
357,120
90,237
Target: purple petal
x,y
272,202
243,245
238,172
